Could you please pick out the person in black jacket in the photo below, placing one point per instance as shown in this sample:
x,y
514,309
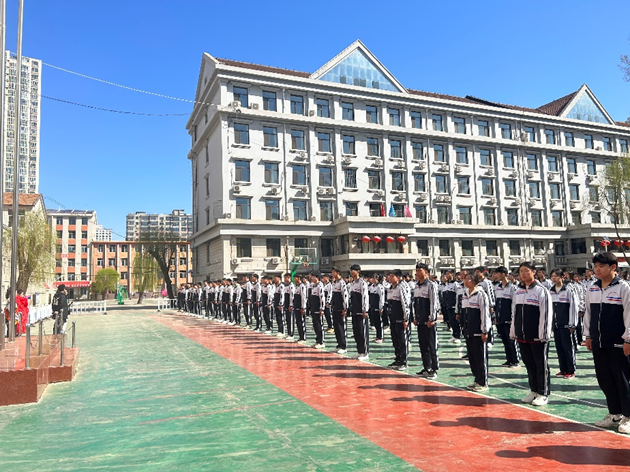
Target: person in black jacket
x,y
60,309
607,332
566,305
476,322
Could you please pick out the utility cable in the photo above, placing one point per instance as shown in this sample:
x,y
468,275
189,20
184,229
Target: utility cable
x,y
112,111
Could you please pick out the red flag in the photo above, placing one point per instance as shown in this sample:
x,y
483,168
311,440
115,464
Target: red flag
x,y
382,209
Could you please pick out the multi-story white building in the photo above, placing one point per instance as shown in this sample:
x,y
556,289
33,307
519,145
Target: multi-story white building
x,y
176,223
29,145
102,233
291,165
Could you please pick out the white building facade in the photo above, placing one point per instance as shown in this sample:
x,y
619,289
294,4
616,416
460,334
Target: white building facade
x,y
31,107
175,223
290,167
102,233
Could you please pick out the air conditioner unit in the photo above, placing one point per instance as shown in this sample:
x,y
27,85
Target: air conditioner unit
x,y
423,197
285,217
330,159
598,148
379,193
255,106
311,113
551,177
530,175
572,175
447,198
525,137
275,260
591,177
302,155
517,201
325,260
490,172
378,162
514,175
454,222
432,221
458,169
313,218
304,189
275,190
400,196
330,191
422,164
321,191
236,104
234,261
493,201
399,165
236,188
444,168
227,215
575,205
347,161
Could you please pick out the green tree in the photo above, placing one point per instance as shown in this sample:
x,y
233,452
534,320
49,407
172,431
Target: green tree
x,y
105,281
146,273
36,250
615,193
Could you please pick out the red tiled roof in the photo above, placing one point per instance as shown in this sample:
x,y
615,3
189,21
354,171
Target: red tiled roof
x,y
623,123
276,70
439,95
24,199
556,107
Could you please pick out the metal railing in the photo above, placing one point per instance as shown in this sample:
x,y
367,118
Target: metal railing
x,y
89,307
61,338
166,304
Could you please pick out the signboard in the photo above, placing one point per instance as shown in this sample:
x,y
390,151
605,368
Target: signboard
x,y
73,283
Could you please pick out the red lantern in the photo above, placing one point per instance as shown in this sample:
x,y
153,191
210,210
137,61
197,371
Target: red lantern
x,y
365,239
605,243
377,239
617,242
627,243
390,239
401,239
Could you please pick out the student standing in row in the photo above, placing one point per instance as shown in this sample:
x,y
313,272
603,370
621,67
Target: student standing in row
x,y
398,302
359,307
504,292
377,303
476,323
565,319
426,307
338,303
317,302
298,308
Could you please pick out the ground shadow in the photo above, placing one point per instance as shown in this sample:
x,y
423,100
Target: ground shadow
x,y
358,375
473,401
573,455
515,425
410,387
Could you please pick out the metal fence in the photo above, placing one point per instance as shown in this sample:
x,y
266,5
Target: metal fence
x,y
39,313
89,307
166,304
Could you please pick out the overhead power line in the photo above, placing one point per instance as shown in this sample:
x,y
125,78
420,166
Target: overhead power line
x,y
112,111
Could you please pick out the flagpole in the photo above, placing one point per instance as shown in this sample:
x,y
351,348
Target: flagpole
x,y
2,161
16,171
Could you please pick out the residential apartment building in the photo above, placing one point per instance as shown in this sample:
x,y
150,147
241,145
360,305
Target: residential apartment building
x,y
175,223
103,234
31,106
75,230
292,166
120,255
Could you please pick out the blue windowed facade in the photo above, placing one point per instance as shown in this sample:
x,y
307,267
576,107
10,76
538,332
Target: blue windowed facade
x,y
586,109
357,69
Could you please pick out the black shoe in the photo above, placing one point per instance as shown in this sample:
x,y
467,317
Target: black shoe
x,y
423,373
394,364
401,367
465,358
505,364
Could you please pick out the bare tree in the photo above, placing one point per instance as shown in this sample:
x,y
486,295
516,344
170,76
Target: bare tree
x,y
615,193
164,247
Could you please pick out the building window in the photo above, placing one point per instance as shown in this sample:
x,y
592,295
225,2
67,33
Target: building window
x,y
463,185
571,165
124,262
515,247
326,211
241,133
84,235
395,148
443,215
207,216
467,248
421,213
72,221
578,246
550,136
348,144
297,139
530,132
459,124
99,262
70,262
323,142
510,188
532,161
84,249
588,141
371,114
465,215
512,217
489,216
596,217
352,209
325,177
574,192
297,105
269,101
438,153
101,248
350,178
461,155
554,191
623,146
299,210
299,175
423,247
483,128
347,111
111,262
487,187
418,183
485,158
272,210
416,119
240,95
273,247
416,150
59,220
73,249
399,210
537,218
552,163
243,247
323,107
243,208
508,159
375,209
271,173
568,140
372,145
72,234
437,122
506,130
84,262
491,247
556,218
607,144
445,247
576,217
374,179
590,167
270,136
394,116
441,184
59,234
593,194
398,181
241,169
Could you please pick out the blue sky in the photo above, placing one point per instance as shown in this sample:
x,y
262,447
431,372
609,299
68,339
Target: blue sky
x,y
519,52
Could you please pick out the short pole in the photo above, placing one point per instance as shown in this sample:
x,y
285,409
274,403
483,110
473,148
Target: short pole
x,y
27,360
74,329
63,348
40,338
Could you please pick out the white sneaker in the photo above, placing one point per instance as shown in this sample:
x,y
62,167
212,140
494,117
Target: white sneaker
x,y
301,342
540,400
452,340
268,332
280,335
363,357
490,345
341,351
290,338
609,421
624,425
457,341
319,346
529,398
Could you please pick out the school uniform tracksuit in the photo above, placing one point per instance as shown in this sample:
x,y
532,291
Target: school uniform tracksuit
x,y
338,302
255,305
503,315
360,305
449,300
475,321
377,302
317,304
300,299
607,324
268,292
565,318
426,306
247,302
398,300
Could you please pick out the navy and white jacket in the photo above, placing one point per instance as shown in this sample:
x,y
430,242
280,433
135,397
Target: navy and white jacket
x,y
317,297
300,293
247,291
377,296
566,305
238,293
255,292
426,303
338,296
607,315
359,296
489,289
286,295
503,303
400,294
449,294
475,318
532,313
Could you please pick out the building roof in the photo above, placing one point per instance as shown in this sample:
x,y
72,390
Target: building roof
x,y
275,70
557,106
71,212
24,199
